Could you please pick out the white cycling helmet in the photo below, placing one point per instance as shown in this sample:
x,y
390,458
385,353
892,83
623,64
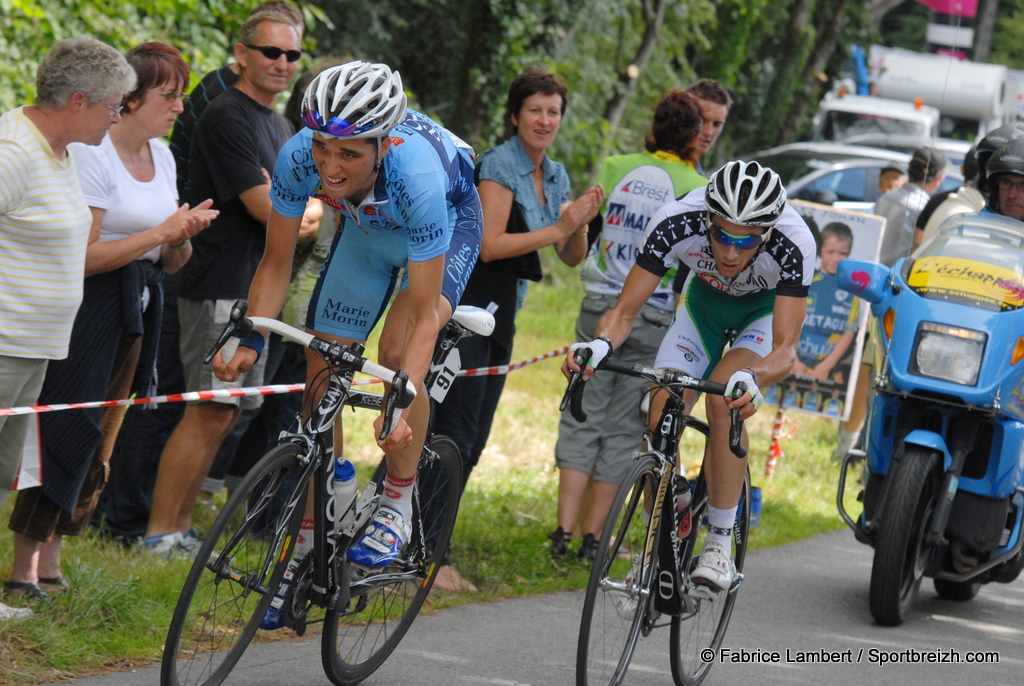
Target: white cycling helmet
x,y
354,100
746,193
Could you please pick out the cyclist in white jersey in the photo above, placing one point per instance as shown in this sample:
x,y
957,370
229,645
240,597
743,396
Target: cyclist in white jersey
x,y
749,260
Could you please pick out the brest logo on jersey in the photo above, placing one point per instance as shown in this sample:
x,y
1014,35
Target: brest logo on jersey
x,y
641,200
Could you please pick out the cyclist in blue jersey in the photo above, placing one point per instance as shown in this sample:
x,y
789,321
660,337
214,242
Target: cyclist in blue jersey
x,y
403,186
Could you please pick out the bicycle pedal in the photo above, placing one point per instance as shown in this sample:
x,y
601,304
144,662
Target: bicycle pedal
x,y
702,592
706,591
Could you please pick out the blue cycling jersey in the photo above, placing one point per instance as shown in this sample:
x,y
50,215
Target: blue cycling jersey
x,y
423,205
424,180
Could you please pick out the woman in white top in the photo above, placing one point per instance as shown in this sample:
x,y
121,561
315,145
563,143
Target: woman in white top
x,y
138,233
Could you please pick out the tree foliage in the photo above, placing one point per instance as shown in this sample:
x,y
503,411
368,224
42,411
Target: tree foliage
x,y
457,57
1009,34
201,29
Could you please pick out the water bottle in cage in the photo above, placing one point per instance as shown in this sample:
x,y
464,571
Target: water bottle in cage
x,y
683,496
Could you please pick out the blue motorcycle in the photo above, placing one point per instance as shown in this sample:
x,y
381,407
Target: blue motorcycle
x,y
943,467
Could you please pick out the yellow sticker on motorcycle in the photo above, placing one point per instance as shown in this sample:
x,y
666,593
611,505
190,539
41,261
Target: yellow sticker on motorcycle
x,y
968,282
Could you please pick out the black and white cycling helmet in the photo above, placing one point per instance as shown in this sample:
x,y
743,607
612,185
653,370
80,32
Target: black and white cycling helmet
x,y
354,100
746,193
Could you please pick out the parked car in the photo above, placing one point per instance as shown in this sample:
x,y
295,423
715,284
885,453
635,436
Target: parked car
x,y
954,149
836,173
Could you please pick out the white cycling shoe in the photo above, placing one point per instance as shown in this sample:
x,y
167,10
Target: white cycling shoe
x,y
383,540
715,571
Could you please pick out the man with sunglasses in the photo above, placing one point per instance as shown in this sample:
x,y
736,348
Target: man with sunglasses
x,y
219,80
411,223
748,259
235,142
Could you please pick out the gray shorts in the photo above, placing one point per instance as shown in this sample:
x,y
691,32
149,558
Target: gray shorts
x,y
202,322
604,445
21,379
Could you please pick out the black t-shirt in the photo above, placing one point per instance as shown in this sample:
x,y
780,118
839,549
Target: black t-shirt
x,y
212,85
234,139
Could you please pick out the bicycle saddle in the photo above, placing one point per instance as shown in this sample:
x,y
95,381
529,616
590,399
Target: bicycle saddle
x,y
476,319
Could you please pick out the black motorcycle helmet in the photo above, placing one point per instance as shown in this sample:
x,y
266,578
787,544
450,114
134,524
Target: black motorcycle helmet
x,y
988,145
1009,159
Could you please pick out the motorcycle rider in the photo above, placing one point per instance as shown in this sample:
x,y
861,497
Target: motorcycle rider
x,y
849,435
1005,182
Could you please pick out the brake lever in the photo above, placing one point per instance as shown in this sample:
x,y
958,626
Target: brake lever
x,y
573,397
238,326
398,398
736,424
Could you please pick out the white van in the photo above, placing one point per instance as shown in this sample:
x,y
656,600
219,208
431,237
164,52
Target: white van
x,y
842,115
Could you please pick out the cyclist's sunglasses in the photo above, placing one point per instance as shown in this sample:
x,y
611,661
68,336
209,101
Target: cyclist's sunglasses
x,y
274,53
723,237
334,126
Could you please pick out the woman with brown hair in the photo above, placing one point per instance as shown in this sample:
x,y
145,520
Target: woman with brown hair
x,y
525,199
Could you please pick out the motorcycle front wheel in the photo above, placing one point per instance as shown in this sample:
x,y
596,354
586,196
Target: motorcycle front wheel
x,y
901,553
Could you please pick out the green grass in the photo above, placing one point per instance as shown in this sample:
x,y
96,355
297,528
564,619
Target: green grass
x,y
118,610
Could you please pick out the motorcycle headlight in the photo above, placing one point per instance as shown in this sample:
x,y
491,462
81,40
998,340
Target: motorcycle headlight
x,y
948,353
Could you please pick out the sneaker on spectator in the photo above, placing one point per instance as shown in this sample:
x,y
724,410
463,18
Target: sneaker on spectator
x,y
715,570
164,546
8,612
383,540
190,543
174,545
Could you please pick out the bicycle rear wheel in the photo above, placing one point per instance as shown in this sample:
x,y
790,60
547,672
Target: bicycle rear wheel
x,y
698,631
236,573
619,592
358,639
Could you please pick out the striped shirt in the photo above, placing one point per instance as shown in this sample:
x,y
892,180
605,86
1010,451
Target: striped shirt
x,y
44,232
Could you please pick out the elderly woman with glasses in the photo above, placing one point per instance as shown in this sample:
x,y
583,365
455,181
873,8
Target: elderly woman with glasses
x,y
138,233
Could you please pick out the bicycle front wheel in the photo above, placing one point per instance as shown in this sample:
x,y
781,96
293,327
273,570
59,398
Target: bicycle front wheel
x,y
235,574
619,592
697,632
357,640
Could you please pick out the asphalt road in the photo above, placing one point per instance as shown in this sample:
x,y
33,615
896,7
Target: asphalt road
x,y
807,598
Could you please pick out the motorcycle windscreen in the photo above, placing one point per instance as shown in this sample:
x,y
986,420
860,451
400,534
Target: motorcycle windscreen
x,y
973,259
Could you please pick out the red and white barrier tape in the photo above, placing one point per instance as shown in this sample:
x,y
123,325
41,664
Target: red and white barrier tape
x,y
506,368
249,391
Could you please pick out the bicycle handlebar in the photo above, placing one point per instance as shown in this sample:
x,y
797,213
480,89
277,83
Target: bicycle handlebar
x,y
400,396
574,391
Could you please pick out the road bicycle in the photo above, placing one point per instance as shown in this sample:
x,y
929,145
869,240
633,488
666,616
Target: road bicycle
x,y
641,575
241,564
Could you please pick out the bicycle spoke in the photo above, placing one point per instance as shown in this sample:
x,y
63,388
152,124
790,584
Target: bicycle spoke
x,y
703,625
619,593
229,586
358,639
